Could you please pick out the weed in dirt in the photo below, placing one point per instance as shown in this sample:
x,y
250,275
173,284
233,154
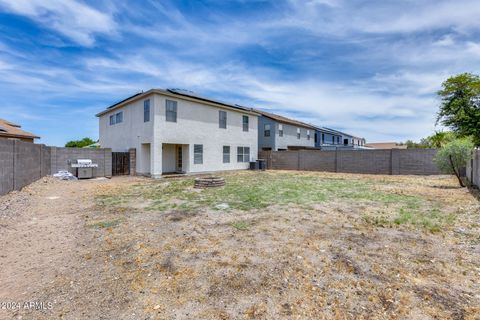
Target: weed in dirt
x,y
241,225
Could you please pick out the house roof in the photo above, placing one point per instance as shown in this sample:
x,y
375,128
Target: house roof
x,y
386,145
283,119
12,130
330,131
345,134
179,94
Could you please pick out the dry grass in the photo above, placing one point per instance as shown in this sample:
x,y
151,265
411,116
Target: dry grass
x,y
297,245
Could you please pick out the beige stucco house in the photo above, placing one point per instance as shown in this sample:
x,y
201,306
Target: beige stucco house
x,y
178,131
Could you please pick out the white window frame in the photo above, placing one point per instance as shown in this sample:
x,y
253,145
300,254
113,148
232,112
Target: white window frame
x,y
222,119
226,155
245,124
243,154
198,154
146,110
171,114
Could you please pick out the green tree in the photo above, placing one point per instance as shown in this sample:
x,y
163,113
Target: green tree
x,y
460,108
79,143
453,156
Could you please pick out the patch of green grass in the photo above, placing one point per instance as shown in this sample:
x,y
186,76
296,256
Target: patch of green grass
x,y
431,219
240,225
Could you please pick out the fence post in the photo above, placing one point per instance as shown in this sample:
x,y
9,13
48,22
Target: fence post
x,y
336,159
14,146
298,160
391,161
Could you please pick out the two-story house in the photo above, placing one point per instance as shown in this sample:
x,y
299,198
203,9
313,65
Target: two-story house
x,y
177,131
348,140
327,139
278,133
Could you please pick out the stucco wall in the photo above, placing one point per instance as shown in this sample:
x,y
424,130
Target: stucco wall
x,y
290,137
266,142
197,123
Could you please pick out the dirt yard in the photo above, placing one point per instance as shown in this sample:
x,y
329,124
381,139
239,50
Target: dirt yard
x,y
268,245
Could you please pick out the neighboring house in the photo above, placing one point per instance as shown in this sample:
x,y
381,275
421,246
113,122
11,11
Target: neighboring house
x,y
349,141
327,139
177,131
386,145
12,131
278,133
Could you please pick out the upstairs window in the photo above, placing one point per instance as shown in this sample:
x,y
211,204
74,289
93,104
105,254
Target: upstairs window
x,y
119,117
198,154
222,119
298,133
266,130
243,154
112,119
171,110
226,154
308,134
245,123
146,110
280,130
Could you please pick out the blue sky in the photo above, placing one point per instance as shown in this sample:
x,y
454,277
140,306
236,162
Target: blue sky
x,y
370,68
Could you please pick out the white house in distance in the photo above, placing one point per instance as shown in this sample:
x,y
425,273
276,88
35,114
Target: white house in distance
x,y
177,131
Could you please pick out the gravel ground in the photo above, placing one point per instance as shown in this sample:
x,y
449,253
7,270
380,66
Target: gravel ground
x,y
89,259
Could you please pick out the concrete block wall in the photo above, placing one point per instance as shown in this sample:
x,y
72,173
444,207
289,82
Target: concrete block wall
x,y
63,157
317,160
6,165
285,160
364,161
414,161
22,163
28,163
133,161
401,162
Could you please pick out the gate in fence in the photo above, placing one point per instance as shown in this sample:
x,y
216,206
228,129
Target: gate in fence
x,y
120,163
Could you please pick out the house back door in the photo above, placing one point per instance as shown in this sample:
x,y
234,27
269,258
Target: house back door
x,y
179,159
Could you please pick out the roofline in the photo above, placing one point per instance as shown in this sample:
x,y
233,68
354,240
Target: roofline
x,y
140,95
297,123
344,133
6,134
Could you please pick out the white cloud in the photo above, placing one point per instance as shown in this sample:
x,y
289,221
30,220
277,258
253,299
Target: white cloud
x,y
73,19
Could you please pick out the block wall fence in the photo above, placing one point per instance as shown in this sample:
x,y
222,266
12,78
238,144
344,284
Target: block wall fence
x,y
391,162
22,163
